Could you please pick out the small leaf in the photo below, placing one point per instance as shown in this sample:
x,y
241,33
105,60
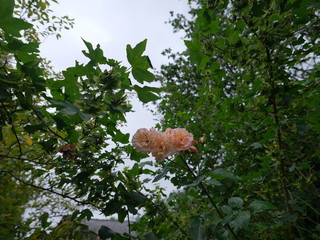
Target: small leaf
x,y
213,182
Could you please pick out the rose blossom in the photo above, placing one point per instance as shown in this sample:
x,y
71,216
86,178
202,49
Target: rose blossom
x,y
163,144
143,140
181,139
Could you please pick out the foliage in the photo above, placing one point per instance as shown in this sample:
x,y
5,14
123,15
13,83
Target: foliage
x,y
248,86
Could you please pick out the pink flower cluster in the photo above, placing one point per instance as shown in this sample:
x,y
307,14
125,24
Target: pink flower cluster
x,y
163,144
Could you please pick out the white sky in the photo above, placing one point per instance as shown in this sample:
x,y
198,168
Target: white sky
x,y
113,24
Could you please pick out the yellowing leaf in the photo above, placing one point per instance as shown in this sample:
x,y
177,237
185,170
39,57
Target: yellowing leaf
x,y
29,141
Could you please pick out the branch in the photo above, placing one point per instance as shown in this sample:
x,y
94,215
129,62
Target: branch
x,y
51,190
53,132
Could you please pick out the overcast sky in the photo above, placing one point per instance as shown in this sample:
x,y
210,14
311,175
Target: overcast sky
x,y
113,24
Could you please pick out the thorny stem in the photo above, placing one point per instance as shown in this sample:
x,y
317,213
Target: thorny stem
x,y
210,199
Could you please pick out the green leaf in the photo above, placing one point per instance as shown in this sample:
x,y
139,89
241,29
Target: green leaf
x,y
242,220
120,137
13,26
197,229
259,206
134,54
235,202
222,173
74,215
85,116
193,45
69,109
95,55
142,75
162,174
6,8
145,95
137,197
86,214
17,45
105,232
44,220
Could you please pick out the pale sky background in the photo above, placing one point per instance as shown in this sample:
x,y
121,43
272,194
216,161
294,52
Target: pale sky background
x,y
113,24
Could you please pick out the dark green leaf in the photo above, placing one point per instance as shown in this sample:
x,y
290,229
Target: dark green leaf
x,y
144,94
69,109
105,232
14,25
86,214
138,197
197,229
6,8
142,75
44,220
74,215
